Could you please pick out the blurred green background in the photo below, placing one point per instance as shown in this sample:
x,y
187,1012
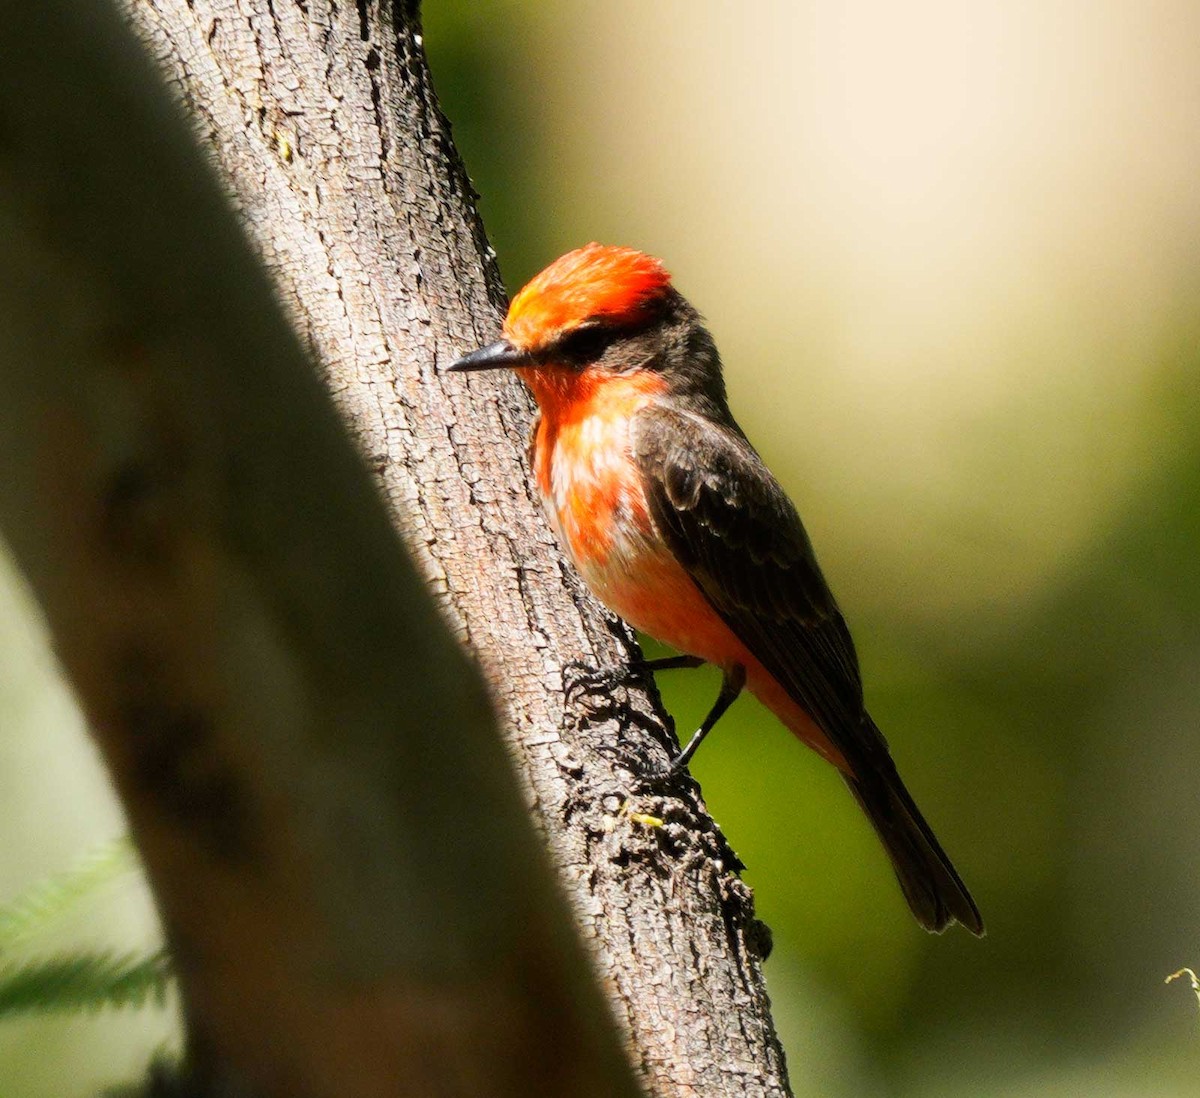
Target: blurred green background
x,y
950,252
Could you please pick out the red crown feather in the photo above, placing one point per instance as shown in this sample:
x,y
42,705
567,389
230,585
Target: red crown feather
x,y
595,282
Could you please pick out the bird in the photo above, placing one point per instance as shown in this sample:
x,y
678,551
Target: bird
x,y
675,523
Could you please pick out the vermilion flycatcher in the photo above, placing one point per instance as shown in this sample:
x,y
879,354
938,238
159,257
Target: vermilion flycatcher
x,y
676,524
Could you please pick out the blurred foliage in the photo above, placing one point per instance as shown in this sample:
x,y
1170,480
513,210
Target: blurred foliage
x,y
84,982
52,898
78,981
64,897
950,254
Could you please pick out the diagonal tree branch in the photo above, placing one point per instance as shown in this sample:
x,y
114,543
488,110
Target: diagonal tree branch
x,y
354,898
323,124
323,121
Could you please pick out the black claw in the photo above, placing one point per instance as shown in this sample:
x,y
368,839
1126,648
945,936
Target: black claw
x,y
659,775
592,688
580,678
636,759
624,757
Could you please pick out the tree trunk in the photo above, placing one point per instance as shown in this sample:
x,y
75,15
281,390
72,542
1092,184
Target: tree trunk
x,y
356,902
323,124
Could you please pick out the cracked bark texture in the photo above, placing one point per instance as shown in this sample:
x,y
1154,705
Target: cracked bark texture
x,y
357,903
323,123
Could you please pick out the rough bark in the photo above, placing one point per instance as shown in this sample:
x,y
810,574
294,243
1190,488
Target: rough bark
x,y
356,902
322,120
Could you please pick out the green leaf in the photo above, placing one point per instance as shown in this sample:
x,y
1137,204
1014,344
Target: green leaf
x,y
49,899
89,981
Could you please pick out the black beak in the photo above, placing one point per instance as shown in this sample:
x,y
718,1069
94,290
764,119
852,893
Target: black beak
x,y
495,356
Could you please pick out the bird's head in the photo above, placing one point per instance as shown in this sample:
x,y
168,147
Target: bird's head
x,y
598,313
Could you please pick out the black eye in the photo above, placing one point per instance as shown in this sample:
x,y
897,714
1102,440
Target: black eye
x,y
583,345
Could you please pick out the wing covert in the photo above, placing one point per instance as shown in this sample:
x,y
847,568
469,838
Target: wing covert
x,y
733,528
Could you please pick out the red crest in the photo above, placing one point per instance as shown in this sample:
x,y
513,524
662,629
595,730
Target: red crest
x,y
595,282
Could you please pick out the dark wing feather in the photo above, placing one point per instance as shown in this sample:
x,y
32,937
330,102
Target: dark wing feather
x,y
735,531
731,525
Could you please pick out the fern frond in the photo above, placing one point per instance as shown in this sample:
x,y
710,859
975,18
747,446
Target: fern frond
x,y
49,899
86,981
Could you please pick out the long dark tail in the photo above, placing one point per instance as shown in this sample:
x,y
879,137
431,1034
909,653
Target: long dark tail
x,y
933,889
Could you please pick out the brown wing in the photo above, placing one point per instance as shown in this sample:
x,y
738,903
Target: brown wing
x,y
733,528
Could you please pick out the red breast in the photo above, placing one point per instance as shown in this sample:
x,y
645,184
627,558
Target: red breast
x,y
593,493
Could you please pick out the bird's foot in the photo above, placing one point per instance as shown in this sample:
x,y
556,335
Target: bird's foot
x,y
593,689
584,683
659,775
581,679
637,758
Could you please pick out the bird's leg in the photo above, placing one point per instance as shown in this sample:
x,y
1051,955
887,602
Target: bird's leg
x,y
731,686
583,679
666,663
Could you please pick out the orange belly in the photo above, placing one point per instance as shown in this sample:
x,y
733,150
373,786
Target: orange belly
x,y
658,597
593,494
